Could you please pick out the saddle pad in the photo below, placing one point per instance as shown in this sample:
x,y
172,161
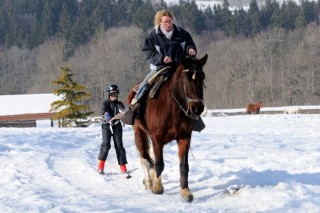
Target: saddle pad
x,y
156,85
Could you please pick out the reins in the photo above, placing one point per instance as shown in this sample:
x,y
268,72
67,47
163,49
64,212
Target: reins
x,y
187,111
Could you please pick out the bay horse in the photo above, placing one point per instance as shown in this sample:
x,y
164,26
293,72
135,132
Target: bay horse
x,y
254,108
170,116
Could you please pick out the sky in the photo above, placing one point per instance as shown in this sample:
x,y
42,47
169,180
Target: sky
x,y
243,163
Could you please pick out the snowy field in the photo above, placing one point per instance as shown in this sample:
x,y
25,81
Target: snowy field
x,y
244,163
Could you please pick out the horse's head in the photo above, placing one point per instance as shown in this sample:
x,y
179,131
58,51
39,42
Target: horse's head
x,y
259,104
191,86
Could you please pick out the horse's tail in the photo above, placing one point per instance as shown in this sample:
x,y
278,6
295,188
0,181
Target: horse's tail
x,y
151,157
148,150
143,143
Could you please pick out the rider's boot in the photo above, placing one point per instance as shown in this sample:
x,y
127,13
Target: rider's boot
x,y
128,115
140,94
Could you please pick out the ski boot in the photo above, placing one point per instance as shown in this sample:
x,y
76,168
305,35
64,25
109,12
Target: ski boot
x,y
101,167
123,169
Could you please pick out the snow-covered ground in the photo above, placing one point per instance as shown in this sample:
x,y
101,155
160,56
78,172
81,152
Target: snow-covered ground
x,y
241,163
244,163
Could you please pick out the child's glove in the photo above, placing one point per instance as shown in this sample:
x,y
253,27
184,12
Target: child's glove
x,y
107,117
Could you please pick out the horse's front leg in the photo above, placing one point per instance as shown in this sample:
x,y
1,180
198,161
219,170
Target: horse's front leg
x,y
184,145
157,187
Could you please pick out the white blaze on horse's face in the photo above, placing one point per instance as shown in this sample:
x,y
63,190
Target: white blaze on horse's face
x,y
194,74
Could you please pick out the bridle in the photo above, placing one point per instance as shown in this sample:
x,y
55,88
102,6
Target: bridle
x,y
188,100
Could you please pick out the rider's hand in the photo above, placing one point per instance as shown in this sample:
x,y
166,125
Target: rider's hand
x,y
167,60
192,52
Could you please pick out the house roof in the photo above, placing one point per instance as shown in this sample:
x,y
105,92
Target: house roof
x,y
26,104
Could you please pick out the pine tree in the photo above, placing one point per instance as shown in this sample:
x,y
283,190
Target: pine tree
x,y
254,17
188,16
70,109
289,14
241,23
143,17
228,24
270,14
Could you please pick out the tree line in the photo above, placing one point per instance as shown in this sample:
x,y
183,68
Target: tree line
x,y
29,23
270,62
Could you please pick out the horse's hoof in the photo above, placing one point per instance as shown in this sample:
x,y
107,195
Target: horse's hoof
x,y
158,190
187,198
147,184
187,195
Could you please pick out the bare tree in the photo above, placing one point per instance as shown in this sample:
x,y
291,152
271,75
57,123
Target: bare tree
x,y
112,57
49,57
16,67
276,67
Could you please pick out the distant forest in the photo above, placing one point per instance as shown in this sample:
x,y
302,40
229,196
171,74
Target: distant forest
x,y
270,53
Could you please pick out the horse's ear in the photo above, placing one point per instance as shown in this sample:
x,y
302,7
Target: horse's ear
x,y
203,60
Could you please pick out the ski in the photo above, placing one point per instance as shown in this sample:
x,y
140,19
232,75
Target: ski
x,y
125,174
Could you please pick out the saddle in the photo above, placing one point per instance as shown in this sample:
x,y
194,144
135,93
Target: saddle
x,y
162,77
155,82
128,116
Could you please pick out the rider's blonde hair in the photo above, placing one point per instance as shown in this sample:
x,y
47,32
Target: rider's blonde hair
x,y
160,14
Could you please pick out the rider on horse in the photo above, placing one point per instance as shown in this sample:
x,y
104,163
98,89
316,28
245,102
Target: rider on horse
x,y
164,46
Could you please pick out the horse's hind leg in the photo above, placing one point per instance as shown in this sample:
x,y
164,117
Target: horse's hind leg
x,y
151,181
147,181
142,143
